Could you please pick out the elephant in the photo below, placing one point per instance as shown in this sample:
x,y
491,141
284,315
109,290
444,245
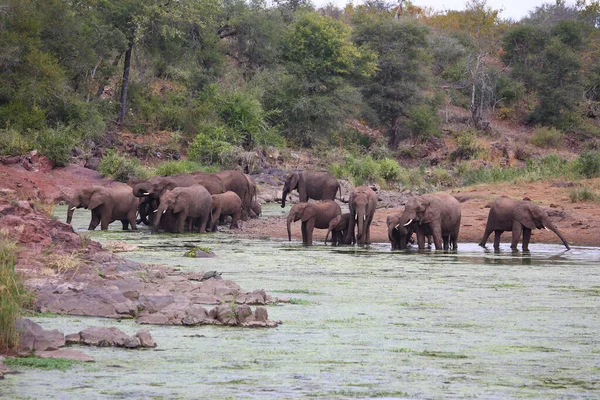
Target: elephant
x,y
440,213
256,209
187,204
237,182
313,215
400,236
517,216
228,203
311,185
107,204
338,227
362,204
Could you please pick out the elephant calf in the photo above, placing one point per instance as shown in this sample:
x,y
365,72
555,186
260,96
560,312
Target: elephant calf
x,y
519,217
228,203
338,227
313,215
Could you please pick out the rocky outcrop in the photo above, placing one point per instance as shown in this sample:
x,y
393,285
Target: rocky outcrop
x,y
111,337
33,338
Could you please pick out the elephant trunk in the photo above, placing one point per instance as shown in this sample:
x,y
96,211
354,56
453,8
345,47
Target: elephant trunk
x,y
554,229
70,212
290,219
159,212
361,221
283,196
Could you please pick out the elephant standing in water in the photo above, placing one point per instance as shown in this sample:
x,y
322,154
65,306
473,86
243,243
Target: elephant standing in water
x,y
362,204
313,215
438,213
237,182
228,203
311,185
338,227
187,204
107,204
400,236
519,217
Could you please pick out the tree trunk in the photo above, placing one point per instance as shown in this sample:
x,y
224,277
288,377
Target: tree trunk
x,y
126,68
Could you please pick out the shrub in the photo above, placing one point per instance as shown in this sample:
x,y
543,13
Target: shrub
x,y
363,169
169,168
588,164
466,146
583,194
57,143
547,137
237,157
337,170
423,122
440,177
12,294
390,170
120,168
210,142
13,143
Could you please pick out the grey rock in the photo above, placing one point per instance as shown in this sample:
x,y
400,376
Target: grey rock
x,y
35,338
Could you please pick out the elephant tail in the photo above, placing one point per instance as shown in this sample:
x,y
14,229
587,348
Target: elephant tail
x,y
340,190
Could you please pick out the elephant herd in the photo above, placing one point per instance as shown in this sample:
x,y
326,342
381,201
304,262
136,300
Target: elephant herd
x,y
191,202
195,202
435,218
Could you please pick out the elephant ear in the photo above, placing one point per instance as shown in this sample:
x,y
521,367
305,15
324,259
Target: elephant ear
x,y
524,215
98,198
293,181
180,200
169,186
334,222
308,213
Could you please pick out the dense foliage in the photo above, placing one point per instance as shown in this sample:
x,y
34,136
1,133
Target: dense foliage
x,y
228,76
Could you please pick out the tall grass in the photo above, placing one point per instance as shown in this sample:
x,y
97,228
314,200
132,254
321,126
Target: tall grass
x,y
12,294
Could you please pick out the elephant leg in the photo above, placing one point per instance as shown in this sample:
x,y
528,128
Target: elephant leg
x,y
215,218
132,221
526,239
303,228
125,224
203,222
235,217
516,234
94,221
486,235
310,226
446,242
105,219
437,236
497,234
181,218
368,233
420,238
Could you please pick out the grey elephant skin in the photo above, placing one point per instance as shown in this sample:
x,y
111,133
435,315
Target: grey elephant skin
x,y
255,207
228,203
520,217
338,227
362,204
440,214
189,205
237,182
313,215
400,236
311,185
107,204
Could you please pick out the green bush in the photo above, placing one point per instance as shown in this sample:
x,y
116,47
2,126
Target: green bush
x,y
588,164
169,168
211,141
119,167
440,177
21,116
57,143
237,157
362,170
547,137
337,170
423,122
14,143
466,146
12,294
583,194
390,170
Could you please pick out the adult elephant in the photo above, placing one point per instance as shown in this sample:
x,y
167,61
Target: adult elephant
x,y
362,204
228,203
107,204
237,182
440,213
400,236
519,217
187,205
313,215
338,227
311,185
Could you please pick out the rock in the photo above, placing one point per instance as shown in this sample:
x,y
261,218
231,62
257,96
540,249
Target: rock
x,y
132,342
73,338
153,319
145,338
69,354
93,163
3,368
103,337
260,314
35,338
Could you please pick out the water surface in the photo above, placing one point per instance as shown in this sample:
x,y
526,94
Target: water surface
x,y
364,323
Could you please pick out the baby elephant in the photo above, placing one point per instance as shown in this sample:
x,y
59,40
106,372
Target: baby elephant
x,y
313,215
228,203
255,209
338,227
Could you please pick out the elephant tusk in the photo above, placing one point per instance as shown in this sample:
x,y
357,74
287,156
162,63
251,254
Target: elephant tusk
x,y
164,211
364,217
146,193
396,227
409,222
547,229
155,210
73,208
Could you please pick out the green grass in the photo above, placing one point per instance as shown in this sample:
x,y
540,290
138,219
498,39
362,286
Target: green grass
x,y
61,364
303,302
583,194
296,291
12,294
169,168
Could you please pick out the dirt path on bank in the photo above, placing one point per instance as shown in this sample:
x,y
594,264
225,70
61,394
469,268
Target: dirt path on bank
x,y
579,222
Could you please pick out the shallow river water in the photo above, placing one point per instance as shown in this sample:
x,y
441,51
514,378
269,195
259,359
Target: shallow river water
x,y
363,323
